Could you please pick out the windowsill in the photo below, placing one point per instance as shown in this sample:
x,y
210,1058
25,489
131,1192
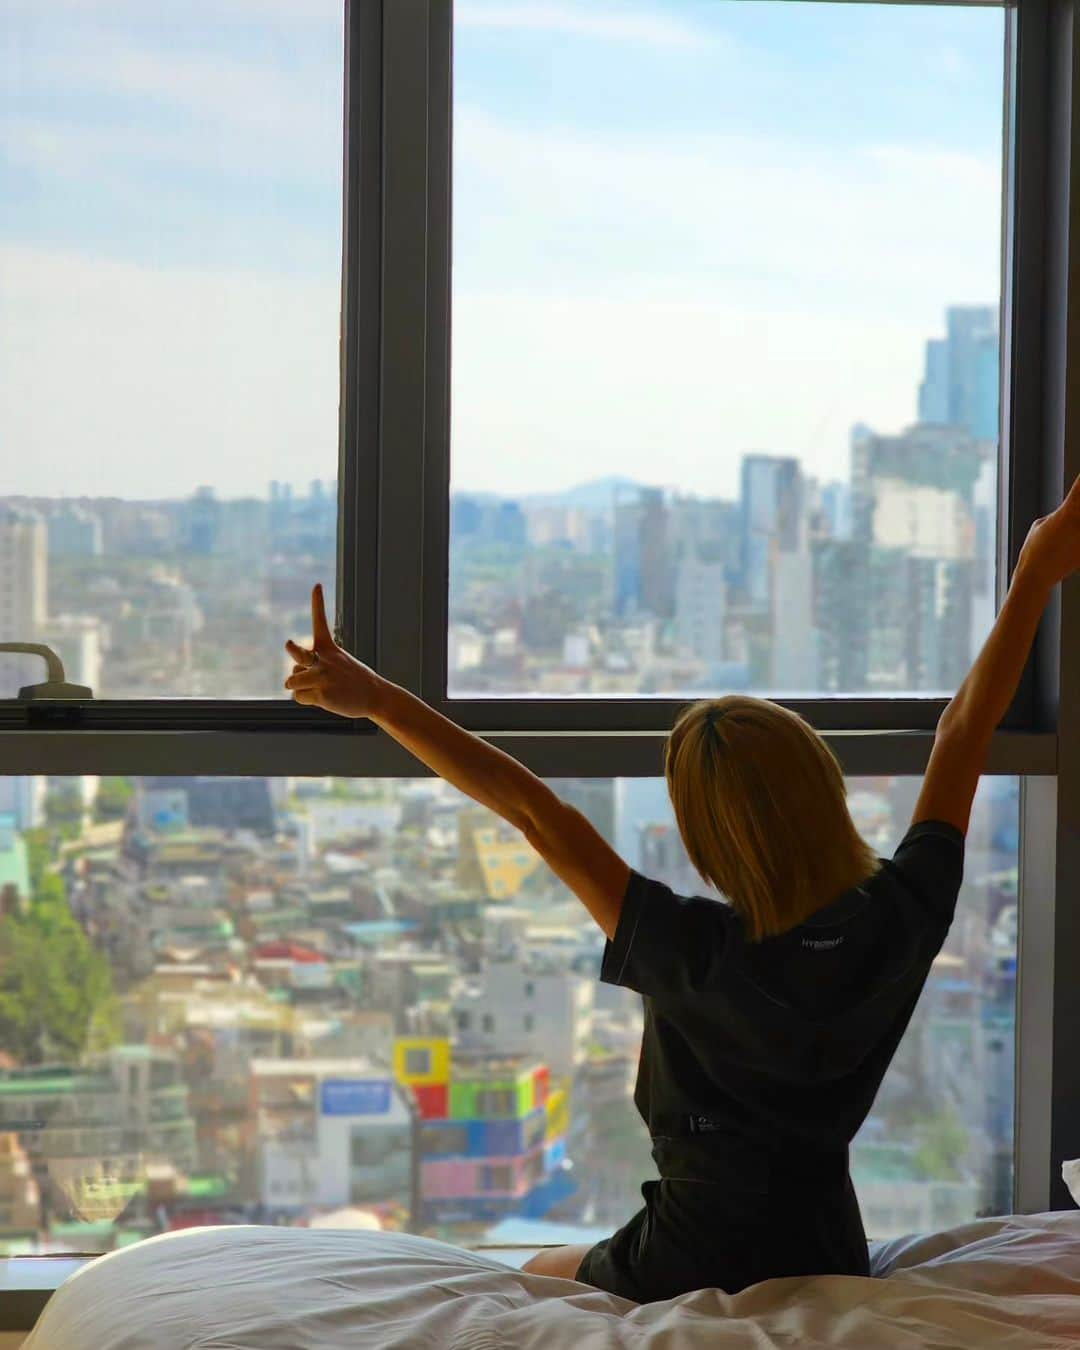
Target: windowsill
x,y
552,754
28,1282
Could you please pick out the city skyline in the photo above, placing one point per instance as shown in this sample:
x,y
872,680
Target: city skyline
x,y
880,582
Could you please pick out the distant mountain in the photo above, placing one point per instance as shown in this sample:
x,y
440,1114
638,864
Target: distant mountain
x,y
591,496
596,495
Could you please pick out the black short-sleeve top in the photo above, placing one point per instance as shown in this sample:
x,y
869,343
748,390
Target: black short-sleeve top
x,y
787,1039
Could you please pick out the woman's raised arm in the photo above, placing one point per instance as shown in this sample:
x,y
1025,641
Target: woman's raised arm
x,y
326,676
1051,552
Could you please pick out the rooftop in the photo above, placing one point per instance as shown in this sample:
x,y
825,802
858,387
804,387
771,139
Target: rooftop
x,y
316,1068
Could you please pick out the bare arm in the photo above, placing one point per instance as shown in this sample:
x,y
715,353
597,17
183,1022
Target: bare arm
x,y
329,677
1050,553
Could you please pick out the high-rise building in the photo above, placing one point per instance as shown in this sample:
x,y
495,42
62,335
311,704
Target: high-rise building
x,y
657,581
644,578
74,532
901,618
841,606
794,648
626,599
466,516
708,528
835,499
962,379
700,610
935,468
773,518
203,522
23,592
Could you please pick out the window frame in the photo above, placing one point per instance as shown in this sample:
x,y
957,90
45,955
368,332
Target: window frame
x,y
1020,418
394,524
360,362
394,500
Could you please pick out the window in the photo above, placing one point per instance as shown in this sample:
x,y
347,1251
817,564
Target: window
x,y
376,1146
488,1022
764,542
417,1062
171,285
528,1021
444,1140
498,1178
725,364
187,990
495,1102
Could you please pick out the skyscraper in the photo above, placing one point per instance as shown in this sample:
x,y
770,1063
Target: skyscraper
x,y
700,606
644,578
960,387
773,510
74,532
914,539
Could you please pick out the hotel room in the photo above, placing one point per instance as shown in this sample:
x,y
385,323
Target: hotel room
x,y
539,674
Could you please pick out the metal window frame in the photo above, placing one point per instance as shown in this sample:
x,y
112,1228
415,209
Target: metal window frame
x,y
393,523
1021,300
393,527
104,722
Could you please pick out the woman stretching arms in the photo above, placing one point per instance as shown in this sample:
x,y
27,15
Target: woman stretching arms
x,y
771,1019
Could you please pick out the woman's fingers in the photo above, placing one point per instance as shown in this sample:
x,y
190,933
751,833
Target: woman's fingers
x,y
307,696
304,679
319,627
303,656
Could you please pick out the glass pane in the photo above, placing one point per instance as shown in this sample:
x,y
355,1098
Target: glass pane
x,y
225,1000
726,281
170,262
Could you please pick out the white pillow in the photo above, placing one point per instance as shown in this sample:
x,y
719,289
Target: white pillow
x,y
1070,1173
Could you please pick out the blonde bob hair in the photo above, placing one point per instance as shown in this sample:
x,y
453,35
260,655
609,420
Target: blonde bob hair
x,y
761,805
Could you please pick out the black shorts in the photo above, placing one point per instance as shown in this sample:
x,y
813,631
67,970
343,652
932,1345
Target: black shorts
x,y
729,1231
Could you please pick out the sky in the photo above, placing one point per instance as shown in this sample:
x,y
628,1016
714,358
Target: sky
x,y
682,231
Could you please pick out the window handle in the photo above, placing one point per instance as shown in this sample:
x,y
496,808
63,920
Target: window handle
x,y
55,686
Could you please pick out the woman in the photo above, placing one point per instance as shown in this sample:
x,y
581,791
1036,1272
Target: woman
x,y
769,1020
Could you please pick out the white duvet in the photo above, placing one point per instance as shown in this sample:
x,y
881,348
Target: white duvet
x,y
997,1284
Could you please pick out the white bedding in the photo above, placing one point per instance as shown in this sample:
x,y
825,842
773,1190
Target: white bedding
x,y
998,1284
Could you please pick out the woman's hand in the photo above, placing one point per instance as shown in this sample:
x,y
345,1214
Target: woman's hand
x,y
1051,550
326,676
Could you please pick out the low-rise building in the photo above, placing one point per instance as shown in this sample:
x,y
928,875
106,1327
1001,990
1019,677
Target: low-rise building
x,y
537,1009
327,1133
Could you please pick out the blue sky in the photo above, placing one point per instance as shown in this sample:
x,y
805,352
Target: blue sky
x,y
683,230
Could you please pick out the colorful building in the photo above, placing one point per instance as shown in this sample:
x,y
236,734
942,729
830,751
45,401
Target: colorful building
x,y
491,1133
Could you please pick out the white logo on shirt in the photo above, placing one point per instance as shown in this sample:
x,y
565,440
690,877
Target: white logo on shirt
x,y
822,944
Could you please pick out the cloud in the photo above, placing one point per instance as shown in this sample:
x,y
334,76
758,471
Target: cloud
x,y
743,215
100,12
610,23
146,382
661,310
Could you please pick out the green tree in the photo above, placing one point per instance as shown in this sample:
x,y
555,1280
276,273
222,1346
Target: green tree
x,y
943,1143
38,853
112,799
64,811
56,993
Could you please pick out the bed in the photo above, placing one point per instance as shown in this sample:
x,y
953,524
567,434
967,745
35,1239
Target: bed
x,y
998,1284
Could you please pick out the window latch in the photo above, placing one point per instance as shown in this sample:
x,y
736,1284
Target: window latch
x,y
56,686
